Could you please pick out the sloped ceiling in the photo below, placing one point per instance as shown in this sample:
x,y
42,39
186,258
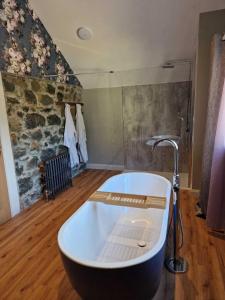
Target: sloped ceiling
x,y
127,34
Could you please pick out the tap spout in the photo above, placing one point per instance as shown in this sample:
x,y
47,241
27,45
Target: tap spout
x,y
176,151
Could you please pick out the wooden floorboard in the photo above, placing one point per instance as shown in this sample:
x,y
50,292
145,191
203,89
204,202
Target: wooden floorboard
x,y
31,268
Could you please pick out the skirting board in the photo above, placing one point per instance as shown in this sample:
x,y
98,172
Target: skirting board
x,y
105,167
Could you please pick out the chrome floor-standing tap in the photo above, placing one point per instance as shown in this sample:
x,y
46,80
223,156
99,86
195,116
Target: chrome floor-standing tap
x,y
175,263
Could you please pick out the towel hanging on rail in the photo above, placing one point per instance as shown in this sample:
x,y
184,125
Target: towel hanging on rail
x,y
81,134
70,137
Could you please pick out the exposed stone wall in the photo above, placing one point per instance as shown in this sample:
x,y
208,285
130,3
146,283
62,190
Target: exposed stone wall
x,y
36,125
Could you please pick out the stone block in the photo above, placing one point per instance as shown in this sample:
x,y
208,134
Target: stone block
x,y
8,85
25,184
53,120
34,120
47,153
50,89
46,100
30,97
37,135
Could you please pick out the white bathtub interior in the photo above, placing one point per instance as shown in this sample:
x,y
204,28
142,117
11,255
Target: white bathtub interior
x,y
135,233
104,233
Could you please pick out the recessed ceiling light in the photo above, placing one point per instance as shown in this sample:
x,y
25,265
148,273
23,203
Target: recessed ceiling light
x,y
84,33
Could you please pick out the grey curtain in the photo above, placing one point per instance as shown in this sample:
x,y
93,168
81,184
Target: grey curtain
x,y
212,193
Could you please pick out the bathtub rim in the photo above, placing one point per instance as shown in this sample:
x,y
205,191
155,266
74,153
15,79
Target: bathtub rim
x,y
128,263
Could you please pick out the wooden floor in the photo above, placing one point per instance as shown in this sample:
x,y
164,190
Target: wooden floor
x,y
31,268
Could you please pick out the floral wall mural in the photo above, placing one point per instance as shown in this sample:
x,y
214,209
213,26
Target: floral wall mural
x,y
26,48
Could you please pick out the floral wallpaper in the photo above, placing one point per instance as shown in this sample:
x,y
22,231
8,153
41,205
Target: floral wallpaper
x,y
26,48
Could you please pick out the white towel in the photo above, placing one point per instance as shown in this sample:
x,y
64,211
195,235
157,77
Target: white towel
x,y
70,137
81,134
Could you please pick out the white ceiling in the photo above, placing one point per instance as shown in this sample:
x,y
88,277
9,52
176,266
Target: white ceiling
x,y
128,34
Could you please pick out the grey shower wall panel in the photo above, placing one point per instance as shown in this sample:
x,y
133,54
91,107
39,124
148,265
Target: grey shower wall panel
x,y
153,110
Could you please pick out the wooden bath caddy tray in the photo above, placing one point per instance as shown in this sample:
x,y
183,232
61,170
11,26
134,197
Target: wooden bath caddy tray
x,y
132,200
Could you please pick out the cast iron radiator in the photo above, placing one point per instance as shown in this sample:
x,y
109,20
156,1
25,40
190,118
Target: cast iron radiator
x,y
56,175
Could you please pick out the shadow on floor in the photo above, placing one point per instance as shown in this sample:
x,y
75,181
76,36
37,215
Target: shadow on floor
x,y
65,290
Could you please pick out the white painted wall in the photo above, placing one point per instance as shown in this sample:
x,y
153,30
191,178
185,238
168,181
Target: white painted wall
x,y
8,156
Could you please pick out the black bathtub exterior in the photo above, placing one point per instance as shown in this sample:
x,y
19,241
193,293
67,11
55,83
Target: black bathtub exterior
x,y
138,282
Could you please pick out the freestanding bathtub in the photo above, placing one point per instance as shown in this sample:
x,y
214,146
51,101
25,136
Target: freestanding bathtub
x,y
117,252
